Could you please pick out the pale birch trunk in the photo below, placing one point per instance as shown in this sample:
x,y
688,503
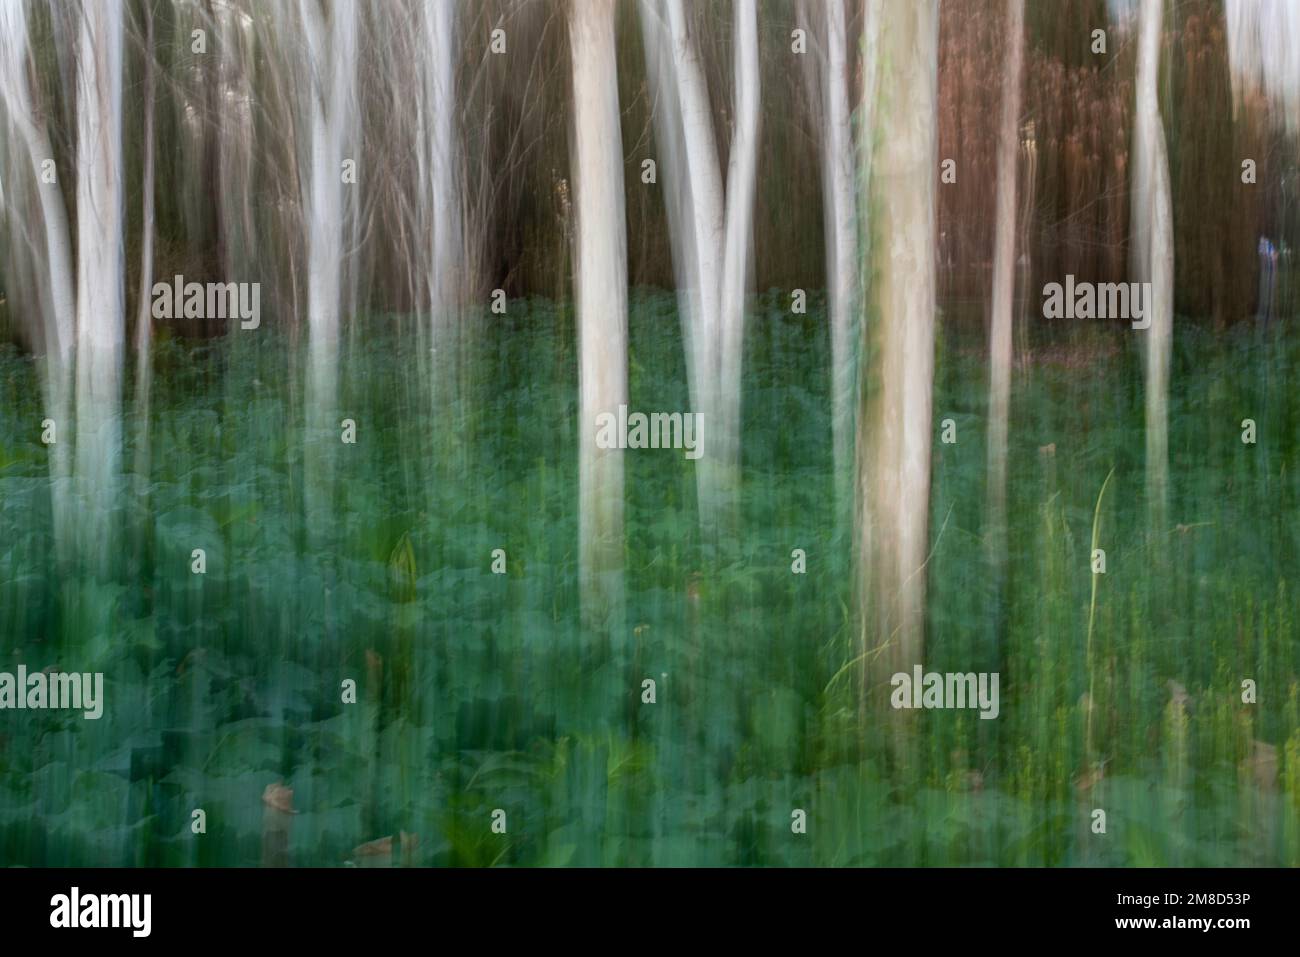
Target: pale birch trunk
x,y
707,230
100,279
236,148
51,257
693,227
841,224
741,175
1152,255
439,148
674,177
601,300
684,215
144,314
1004,284
894,440
440,217
331,79
711,244
1020,331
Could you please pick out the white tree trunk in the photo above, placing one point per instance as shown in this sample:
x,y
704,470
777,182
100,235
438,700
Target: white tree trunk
x,y
705,178
894,437
1152,251
235,128
331,79
440,148
712,231
840,215
601,300
51,258
144,313
674,176
100,277
1004,279
741,175
707,229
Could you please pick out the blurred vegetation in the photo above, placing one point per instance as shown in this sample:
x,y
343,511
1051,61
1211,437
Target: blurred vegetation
x,y
478,691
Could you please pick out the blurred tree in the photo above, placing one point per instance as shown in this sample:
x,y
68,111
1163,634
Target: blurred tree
x,y
100,317
894,441
601,298
1152,250
1004,276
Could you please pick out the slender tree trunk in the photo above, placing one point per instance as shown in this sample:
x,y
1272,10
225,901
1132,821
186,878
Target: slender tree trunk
x,y
707,230
214,137
894,440
601,299
235,147
144,314
1152,251
741,175
1025,266
1004,285
674,176
841,218
440,143
712,233
685,216
331,72
100,278
52,259
440,220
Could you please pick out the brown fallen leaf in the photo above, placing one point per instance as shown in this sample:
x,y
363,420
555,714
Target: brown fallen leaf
x,y
1049,449
1089,779
279,798
383,846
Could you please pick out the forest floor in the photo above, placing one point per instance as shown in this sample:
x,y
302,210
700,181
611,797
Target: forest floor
x,y
478,692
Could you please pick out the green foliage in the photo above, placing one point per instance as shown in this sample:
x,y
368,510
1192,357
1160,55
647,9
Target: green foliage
x,y
479,692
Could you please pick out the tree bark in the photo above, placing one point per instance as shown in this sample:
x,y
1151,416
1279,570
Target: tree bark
x,y
144,312
50,258
1004,286
894,440
101,329
741,175
601,299
331,78
1152,252
841,222
440,143
711,245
